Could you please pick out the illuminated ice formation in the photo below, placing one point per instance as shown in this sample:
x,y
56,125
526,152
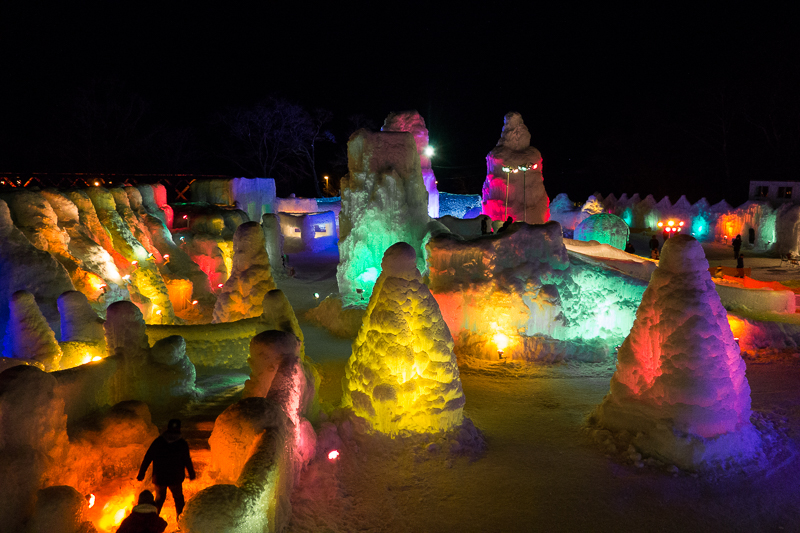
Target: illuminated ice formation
x,y
271,224
60,509
147,288
412,122
242,296
24,267
522,284
28,335
605,229
680,383
82,334
515,193
403,375
279,315
162,374
384,201
32,443
268,351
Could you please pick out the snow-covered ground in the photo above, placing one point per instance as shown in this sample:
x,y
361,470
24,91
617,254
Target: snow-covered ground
x,y
541,471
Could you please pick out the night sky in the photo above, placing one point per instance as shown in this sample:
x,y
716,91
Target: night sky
x,y
617,101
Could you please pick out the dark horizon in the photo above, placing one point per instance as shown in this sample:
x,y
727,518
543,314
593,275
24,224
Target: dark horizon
x,y
629,102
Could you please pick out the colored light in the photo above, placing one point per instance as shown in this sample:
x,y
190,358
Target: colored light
x,y
194,302
535,166
185,217
429,151
660,224
158,312
166,257
316,295
501,340
91,499
96,183
95,358
134,263
126,277
333,455
681,224
671,222
219,285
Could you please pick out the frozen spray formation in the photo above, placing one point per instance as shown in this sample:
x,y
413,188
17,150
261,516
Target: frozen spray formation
x,y
384,201
28,335
523,192
403,374
604,228
412,122
680,383
243,294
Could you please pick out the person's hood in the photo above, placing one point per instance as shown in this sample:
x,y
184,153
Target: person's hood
x,y
145,508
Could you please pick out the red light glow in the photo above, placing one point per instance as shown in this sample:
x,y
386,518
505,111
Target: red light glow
x,y
333,455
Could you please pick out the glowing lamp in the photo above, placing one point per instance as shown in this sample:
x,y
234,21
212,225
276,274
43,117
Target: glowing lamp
x,y
166,257
506,169
535,166
429,151
219,285
134,263
126,277
183,239
316,295
681,224
90,500
158,312
660,224
194,302
333,455
671,222
96,183
185,217
93,359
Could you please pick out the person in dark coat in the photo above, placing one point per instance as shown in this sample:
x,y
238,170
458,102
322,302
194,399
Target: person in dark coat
x,y
737,245
506,224
653,243
629,248
170,456
144,517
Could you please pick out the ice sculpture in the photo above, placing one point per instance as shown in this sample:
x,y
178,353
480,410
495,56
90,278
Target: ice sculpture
x,y
680,383
604,228
82,334
268,351
412,122
515,192
384,201
403,374
24,267
242,296
28,335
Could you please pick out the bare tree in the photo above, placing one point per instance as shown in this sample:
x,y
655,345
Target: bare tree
x,y
276,139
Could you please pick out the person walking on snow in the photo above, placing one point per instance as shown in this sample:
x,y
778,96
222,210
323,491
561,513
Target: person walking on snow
x,y
170,456
144,517
737,245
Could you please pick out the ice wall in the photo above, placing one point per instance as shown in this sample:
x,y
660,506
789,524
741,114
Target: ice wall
x,y
403,373
28,335
521,284
384,201
254,196
605,229
412,122
680,383
520,195
459,205
24,267
242,296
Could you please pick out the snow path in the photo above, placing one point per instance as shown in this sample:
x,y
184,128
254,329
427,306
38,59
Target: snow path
x,y
542,473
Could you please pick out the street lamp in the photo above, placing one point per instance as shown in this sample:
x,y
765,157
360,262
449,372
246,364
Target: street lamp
x,y
524,169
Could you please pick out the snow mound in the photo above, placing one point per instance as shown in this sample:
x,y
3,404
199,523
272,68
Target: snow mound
x,y
403,373
603,228
680,382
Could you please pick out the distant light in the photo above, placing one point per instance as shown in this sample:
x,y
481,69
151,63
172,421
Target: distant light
x,y
90,498
126,277
671,222
134,262
158,312
428,151
316,295
185,217
501,340
506,169
660,224
194,302
96,183
333,455
681,224
166,257
95,358
535,166
219,285
183,239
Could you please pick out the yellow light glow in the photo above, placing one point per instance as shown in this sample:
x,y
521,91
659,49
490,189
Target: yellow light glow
x,y
96,358
671,222
91,500
660,224
501,340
